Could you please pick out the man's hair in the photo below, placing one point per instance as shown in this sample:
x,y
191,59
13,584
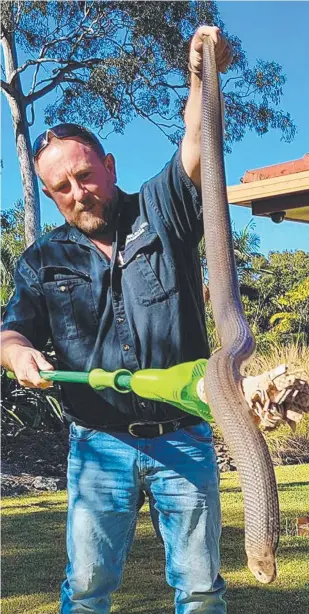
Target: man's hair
x,y
83,135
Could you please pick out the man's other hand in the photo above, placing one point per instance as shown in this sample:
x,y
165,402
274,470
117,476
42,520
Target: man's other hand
x,y
223,50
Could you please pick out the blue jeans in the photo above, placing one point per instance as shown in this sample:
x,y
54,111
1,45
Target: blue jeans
x,y
107,475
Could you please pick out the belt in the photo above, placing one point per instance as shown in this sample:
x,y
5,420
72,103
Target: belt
x,y
149,430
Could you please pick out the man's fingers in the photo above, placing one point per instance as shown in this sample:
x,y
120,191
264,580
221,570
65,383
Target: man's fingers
x,y
28,372
224,58
43,364
212,31
35,382
223,50
202,33
32,379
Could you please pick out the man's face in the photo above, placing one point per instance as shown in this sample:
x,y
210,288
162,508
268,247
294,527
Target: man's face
x,y
81,183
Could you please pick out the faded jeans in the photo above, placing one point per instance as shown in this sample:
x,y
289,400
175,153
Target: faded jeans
x,y
107,475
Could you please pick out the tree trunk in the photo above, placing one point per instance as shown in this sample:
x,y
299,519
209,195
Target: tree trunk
x,y
16,100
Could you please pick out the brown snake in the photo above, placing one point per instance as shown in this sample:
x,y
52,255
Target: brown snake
x,y
222,380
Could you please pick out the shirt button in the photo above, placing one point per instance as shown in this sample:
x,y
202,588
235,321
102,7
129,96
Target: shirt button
x,y
120,320
62,288
126,347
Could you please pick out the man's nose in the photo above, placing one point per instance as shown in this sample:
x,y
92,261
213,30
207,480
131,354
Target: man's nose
x,y
79,192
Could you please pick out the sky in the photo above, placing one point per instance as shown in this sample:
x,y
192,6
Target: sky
x,y
275,31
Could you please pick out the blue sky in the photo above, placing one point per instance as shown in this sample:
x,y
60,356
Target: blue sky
x,y
269,30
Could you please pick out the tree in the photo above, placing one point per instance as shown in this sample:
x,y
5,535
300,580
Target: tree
x,y
280,283
293,320
108,62
24,406
13,245
246,244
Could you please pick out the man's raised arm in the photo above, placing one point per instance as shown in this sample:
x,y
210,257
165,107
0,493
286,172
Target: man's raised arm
x,y
191,144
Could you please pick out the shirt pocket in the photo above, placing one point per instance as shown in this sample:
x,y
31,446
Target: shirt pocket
x,y
70,302
147,271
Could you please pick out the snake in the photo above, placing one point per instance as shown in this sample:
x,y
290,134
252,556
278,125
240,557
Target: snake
x,y
223,374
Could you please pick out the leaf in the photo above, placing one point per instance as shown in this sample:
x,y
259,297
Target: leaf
x,y
55,406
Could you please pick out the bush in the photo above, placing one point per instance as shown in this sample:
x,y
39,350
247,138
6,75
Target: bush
x,y
29,407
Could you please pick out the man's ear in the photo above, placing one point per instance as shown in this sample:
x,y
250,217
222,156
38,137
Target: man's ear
x,y
110,165
46,192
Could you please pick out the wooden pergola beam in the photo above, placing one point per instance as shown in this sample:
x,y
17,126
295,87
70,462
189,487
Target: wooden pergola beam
x,y
288,193
275,186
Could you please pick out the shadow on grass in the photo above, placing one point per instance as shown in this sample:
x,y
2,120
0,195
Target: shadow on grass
x,y
34,559
233,555
33,552
280,486
40,503
224,489
289,485
267,600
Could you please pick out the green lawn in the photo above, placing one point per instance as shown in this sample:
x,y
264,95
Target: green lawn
x,y
33,534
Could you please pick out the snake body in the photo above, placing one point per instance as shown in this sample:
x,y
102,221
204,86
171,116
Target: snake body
x,y
223,378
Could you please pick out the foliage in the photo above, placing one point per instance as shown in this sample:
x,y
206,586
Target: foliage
x,y
13,245
273,278
266,284
12,228
24,406
294,320
109,62
7,267
31,407
246,243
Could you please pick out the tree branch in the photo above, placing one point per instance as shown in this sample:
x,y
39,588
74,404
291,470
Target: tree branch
x,y
231,79
41,58
159,125
60,77
6,87
36,62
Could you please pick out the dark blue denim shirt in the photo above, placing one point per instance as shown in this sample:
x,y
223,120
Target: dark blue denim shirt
x,y
143,309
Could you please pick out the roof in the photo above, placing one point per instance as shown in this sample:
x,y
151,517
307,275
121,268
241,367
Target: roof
x,y
277,170
281,189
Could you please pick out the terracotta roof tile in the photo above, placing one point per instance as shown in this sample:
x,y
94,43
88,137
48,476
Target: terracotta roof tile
x,y
277,170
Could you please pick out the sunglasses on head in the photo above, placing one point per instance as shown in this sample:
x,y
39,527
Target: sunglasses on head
x,y
65,131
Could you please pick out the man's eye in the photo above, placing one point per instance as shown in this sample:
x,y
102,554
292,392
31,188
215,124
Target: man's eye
x,y
61,187
84,175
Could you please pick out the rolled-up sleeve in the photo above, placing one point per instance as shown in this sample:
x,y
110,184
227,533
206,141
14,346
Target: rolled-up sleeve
x,y
26,312
175,198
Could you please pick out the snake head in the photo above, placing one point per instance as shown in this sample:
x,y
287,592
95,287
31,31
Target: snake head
x,y
264,568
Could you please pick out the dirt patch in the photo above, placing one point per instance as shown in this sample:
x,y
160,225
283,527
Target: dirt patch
x,y
28,454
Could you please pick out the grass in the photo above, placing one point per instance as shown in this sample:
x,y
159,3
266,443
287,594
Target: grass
x,y
33,535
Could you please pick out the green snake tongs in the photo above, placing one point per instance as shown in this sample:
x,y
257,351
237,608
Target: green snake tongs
x,y
181,385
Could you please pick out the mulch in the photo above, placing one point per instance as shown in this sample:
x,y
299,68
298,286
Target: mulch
x,y
28,453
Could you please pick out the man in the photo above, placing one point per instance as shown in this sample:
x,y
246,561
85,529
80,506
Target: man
x,y
119,285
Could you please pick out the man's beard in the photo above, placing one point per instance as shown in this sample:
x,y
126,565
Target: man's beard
x,y
93,225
